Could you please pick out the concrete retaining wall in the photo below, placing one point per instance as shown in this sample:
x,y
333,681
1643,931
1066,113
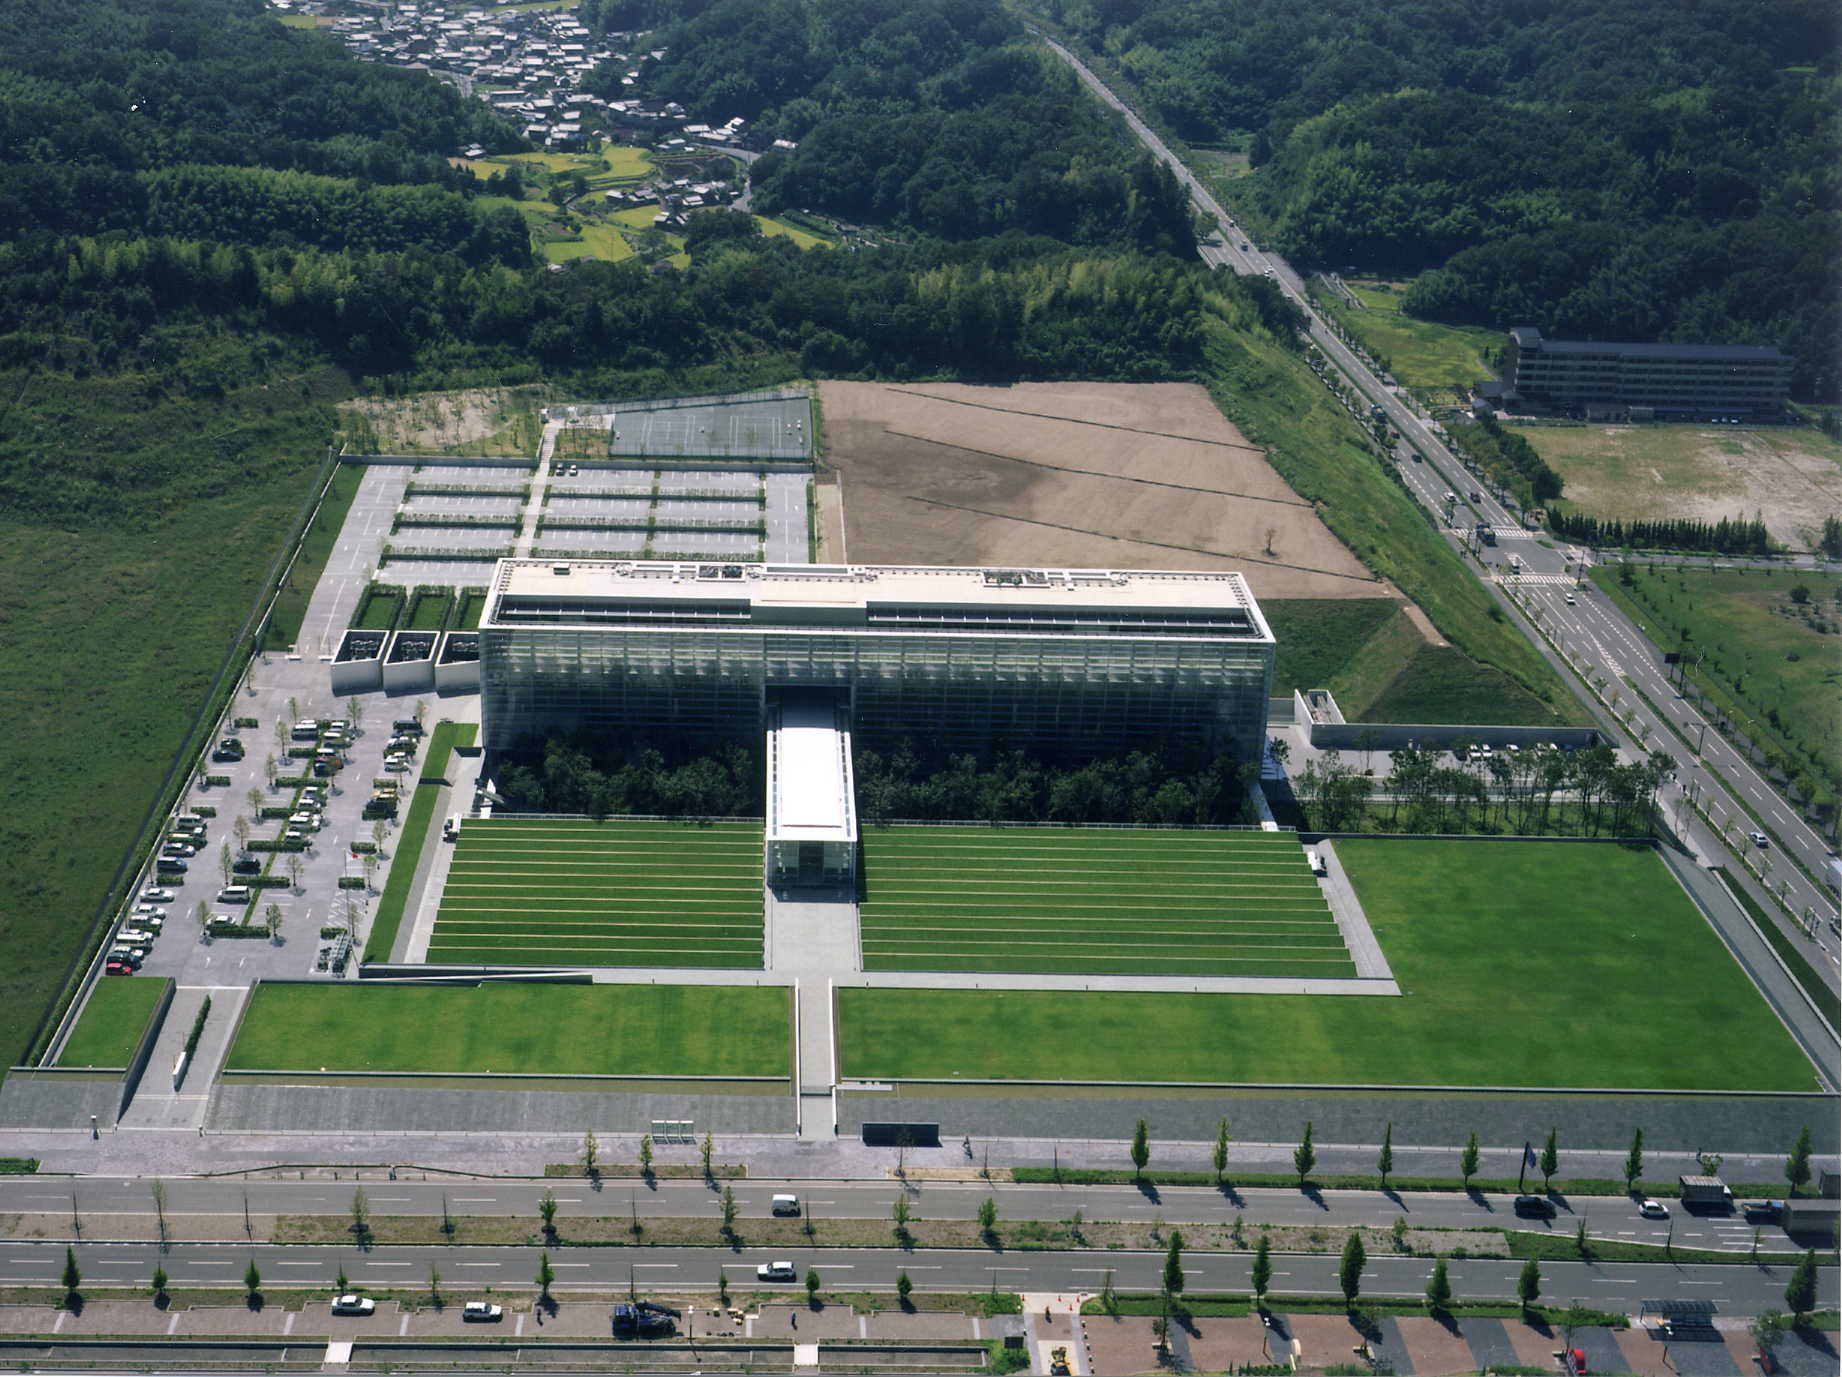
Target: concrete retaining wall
x,y
238,1108
137,1064
1316,711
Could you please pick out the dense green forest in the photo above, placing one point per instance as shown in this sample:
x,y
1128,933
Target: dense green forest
x,y
1632,169
941,116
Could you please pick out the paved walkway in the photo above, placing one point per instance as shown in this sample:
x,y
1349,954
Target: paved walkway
x,y
1352,922
540,482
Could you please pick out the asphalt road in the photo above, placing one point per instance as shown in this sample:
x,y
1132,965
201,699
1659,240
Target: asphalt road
x,y
1610,1217
1613,1286
1613,647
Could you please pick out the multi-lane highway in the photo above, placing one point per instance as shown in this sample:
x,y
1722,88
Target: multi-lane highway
x,y
187,1199
1607,643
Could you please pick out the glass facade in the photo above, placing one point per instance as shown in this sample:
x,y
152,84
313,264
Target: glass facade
x,y
1081,693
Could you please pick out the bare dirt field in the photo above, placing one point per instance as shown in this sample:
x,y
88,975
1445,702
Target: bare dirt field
x,y
477,420
1083,475
1790,476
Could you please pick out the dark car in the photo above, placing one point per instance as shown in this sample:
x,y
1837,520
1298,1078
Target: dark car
x,y
1534,1207
115,967
246,865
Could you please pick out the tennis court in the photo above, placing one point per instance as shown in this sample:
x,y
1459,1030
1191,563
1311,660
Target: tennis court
x,y
755,427
551,891
1095,900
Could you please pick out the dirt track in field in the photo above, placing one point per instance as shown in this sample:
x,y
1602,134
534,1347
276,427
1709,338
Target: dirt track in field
x,y
1081,475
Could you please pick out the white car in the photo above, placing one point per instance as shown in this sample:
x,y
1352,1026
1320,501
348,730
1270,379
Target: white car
x,y
135,937
1759,839
1653,1209
354,1305
481,1310
156,895
775,1271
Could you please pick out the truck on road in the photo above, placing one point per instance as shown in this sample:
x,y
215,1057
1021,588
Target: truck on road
x,y
1705,1192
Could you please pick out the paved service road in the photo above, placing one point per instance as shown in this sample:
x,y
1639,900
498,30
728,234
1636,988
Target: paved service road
x,y
1623,650
1611,1217
1613,1286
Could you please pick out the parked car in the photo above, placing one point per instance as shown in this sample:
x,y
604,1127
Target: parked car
x,y
136,937
482,1310
354,1305
170,865
1653,1209
124,956
775,1271
246,865
153,894
118,965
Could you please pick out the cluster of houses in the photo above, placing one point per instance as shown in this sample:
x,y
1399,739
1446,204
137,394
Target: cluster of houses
x,y
529,65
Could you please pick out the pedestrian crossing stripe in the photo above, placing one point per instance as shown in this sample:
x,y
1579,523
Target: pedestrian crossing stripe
x,y
1540,580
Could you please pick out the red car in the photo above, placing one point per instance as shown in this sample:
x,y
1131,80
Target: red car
x,y
117,967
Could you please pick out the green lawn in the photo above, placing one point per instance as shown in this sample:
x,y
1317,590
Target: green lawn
x,y
1420,353
1525,964
547,891
659,1030
806,239
473,607
429,612
379,609
1092,900
413,836
1752,649
111,1025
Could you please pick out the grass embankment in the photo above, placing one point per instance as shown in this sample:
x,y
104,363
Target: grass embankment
x,y
124,580
1323,453
413,835
1484,938
284,627
546,891
1319,637
1078,900
1821,993
656,1030
1419,353
113,1022
1759,655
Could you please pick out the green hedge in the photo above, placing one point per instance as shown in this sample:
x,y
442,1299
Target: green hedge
x,y
18,1166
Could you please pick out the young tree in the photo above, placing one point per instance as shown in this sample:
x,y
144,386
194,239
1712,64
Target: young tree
x,y
646,1155
294,872
1385,1163
546,1208
545,1274
202,916
722,1289
159,1282
1467,1160
255,800
1304,1156
252,1283
1349,1270
901,1218
1581,1239
341,1282
435,1288
1220,1156
272,917
729,1210
1528,1285
1173,1265
159,1199
1263,1268
1799,1295
223,860
1550,1158
812,1286
591,1154
380,830
1797,1166
1768,1330
706,1148
1439,1289
903,1286
72,1278
1141,1149
447,1220
361,1214
988,1218
1634,1163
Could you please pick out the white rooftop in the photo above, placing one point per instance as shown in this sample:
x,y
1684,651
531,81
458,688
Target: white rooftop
x,y
809,775
770,591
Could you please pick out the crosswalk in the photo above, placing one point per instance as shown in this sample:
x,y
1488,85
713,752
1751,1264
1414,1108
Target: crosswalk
x,y
1537,580
1501,532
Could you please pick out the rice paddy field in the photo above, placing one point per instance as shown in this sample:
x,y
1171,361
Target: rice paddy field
x,y
551,891
1095,900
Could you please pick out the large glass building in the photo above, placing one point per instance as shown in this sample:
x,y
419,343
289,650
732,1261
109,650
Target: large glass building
x,y
1066,661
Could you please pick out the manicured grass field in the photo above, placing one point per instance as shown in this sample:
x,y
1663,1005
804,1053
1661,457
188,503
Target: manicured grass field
x,y
110,1027
429,612
379,609
1087,900
1526,964
660,1030
555,891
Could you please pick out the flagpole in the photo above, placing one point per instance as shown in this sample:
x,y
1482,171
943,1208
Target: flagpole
x,y
1527,1147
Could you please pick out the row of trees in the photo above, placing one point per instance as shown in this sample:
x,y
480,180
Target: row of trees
x,y
1509,457
603,775
1529,793
1728,536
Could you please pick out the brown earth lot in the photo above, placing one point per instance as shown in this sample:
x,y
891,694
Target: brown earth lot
x,y
1437,1349
1107,475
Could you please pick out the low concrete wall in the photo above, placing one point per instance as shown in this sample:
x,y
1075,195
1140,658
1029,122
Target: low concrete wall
x,y
1316,711
351,676
1585,1119
319,1109
137,1064
415,673
457,676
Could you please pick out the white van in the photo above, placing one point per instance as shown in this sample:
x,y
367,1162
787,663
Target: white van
x,y
785,1204
450,830
235,894
305,731
1316,862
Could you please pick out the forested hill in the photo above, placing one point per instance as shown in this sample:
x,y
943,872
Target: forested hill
x,y
1638,169
942,116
